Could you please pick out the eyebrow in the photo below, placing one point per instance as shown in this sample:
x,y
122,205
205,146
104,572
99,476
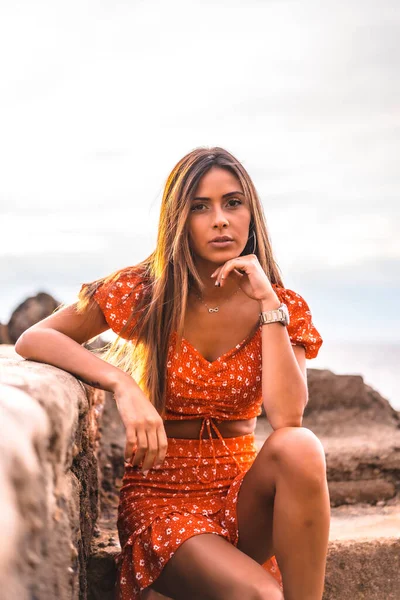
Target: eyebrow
x,y
224,196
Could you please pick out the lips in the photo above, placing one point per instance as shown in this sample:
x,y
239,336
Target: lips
x,y
222,238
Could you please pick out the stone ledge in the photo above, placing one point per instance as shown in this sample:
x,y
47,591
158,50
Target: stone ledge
x,y
363,570
49,479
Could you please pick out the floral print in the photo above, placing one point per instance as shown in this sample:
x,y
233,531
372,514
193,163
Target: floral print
x,y
157,513
195,491
118,297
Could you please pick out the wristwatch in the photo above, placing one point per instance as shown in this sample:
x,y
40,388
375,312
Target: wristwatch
x,y
276,315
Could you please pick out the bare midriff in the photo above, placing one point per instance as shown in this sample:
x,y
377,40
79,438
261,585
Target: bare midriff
x,y
190,428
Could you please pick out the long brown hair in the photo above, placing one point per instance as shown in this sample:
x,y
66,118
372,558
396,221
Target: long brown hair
x,y
170,270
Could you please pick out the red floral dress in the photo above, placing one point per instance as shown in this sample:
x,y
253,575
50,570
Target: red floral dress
x,y
196,489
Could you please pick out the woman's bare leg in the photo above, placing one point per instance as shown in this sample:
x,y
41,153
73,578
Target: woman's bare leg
x,y
149,594
283,509
208,567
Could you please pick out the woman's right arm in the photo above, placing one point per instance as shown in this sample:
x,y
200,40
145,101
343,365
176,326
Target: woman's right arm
x,y
57,340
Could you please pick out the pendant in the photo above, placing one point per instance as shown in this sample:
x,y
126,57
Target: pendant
x,y
216,309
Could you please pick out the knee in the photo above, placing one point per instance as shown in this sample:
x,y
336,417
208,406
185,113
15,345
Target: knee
x,y
268,594
297,450
259,591
265,593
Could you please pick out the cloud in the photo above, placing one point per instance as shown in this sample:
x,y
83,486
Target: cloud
x,y
99,101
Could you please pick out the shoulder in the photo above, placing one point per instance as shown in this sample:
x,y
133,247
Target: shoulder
x,y
301,328
120,295
294,301
121,284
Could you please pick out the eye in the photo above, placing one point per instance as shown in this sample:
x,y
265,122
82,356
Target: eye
x,y
235,200
196,206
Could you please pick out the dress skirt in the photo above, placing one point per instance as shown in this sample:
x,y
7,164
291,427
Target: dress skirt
x,y
194,491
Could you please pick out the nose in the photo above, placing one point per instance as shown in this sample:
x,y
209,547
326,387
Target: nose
x,y
220,219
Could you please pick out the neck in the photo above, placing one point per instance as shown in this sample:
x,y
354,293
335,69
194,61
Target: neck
x,y
212,293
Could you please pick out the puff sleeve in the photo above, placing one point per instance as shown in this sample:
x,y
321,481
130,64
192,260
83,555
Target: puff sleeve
x,y
117,295
301,328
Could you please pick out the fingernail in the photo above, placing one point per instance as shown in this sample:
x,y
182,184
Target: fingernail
x,y
145,472
217,283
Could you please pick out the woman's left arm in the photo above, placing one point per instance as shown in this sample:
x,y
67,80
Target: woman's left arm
x,y
284,375
284,378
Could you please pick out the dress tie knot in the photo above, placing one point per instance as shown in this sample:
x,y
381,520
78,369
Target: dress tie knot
x,y
209,422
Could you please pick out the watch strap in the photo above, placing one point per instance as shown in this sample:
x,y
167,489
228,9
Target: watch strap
x,y
275,315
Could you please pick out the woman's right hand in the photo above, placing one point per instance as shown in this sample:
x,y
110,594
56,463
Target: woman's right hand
x,y
145,433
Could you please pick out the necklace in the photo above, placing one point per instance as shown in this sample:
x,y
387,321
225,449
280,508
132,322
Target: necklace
x,y
216,308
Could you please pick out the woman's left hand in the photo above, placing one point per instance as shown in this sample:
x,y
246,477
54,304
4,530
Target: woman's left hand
x,y
250,275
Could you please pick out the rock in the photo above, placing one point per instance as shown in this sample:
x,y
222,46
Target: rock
x,y
111,454
4,337
363,569
49,500
31,311
361,491
340,403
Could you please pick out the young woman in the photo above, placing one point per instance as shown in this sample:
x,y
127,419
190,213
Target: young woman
x,y
210,334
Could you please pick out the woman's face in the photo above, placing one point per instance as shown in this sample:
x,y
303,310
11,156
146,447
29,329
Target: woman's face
x,y
218,208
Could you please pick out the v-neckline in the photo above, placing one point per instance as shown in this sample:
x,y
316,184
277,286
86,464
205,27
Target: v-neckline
x,y
238,346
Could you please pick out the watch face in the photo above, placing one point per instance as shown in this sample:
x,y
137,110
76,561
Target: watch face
x,y
286,313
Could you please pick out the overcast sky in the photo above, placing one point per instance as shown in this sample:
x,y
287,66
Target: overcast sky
x,y
99,100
